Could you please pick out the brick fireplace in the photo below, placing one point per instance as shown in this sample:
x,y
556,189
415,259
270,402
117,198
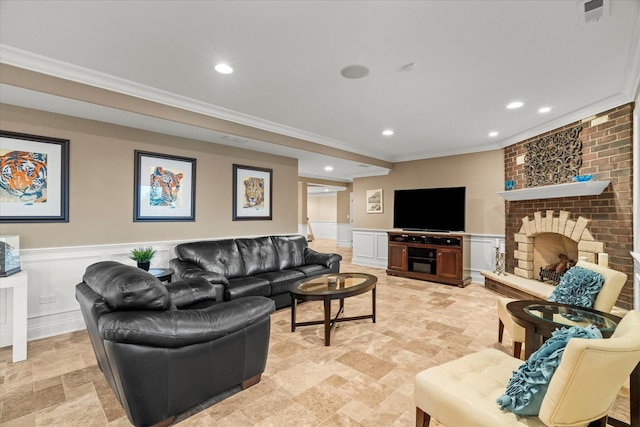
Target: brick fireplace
x,y
604,222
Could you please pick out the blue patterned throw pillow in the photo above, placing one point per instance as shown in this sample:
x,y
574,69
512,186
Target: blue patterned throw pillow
x,y
578,286
528,385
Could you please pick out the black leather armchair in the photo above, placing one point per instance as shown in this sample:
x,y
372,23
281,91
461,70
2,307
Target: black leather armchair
x,y
167,348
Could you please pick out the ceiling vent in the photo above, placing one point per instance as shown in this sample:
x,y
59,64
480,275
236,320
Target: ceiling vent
x,y
592,10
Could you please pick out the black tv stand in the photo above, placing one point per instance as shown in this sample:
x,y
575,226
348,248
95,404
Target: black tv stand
x,y
437,257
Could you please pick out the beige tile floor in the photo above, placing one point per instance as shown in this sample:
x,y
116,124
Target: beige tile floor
x,y
365,378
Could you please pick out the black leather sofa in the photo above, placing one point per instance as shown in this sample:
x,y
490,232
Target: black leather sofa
x,y
167,348
263,266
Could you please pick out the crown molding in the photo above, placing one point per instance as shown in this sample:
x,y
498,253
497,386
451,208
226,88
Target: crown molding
x,y
60,69
48,66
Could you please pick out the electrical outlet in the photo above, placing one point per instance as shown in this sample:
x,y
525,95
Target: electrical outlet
x,y
520,160
47,299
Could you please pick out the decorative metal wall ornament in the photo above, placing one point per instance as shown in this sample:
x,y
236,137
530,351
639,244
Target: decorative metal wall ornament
x,y
553,159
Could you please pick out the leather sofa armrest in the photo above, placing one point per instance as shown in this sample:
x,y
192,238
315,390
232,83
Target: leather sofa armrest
x,y
187,270
179,328
313,257
187,292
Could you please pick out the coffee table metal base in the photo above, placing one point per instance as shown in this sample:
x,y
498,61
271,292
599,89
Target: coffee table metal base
x,y
328,322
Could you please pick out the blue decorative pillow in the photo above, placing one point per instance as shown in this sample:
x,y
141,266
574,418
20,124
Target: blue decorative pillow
x,y
529,383
578,286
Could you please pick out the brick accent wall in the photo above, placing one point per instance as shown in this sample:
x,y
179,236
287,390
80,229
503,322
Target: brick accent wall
x,y
607,155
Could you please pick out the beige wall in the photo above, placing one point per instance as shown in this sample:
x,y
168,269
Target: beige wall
x,y
322,208
481,173
302,203
342,215
101,185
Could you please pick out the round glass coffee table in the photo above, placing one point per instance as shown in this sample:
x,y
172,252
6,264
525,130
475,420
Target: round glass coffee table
x,y
540,318
328,287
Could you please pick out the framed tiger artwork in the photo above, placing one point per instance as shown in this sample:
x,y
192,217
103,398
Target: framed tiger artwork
x,y
164,187
34,178
252,193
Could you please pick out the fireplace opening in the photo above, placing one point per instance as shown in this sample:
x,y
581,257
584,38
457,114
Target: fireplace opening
x,y
552,273
552,251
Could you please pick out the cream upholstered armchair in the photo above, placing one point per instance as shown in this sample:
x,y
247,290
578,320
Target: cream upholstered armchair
x,y
581,392
607,297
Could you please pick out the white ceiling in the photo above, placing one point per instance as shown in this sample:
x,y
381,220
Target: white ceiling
x,y
472,58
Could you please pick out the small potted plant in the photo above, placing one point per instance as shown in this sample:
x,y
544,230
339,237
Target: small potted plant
x,y
143,257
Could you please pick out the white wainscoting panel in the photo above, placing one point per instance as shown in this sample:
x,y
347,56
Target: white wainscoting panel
x,y
324,230
483,254
370,248
54,274
344,235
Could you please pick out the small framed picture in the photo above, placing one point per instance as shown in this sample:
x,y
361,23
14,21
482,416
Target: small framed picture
x,y
252,193
34,183
164,187
374,201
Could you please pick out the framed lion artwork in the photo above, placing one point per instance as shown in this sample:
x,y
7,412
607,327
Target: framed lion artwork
x,y
251,193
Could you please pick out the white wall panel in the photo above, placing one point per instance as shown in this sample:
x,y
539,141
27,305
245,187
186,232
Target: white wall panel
x,y
344,235
370,249
367,248
324,230
54,272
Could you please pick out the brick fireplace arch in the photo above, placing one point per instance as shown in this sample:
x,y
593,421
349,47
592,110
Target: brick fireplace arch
x,y
529,258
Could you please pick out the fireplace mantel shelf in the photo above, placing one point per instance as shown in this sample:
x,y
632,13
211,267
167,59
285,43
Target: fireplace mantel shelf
x,y
570,189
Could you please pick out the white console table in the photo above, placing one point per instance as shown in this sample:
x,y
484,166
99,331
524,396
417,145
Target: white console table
x,y
18,282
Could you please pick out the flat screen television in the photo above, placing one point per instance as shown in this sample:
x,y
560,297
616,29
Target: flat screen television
x,y
430,209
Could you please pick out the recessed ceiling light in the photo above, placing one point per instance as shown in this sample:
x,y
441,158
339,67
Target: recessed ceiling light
x,y
223,69
544,110
494,133
515,104
387,132
328,168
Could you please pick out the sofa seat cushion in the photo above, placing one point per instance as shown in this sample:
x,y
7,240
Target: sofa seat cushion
x,y
313,270
463,392
247,286
280,280
125,287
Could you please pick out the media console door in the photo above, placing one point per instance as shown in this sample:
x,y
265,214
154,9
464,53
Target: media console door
x,y
397,257
450,263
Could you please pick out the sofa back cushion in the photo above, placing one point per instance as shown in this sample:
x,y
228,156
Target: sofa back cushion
x,y
216,256
125,287
259,255
290,250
